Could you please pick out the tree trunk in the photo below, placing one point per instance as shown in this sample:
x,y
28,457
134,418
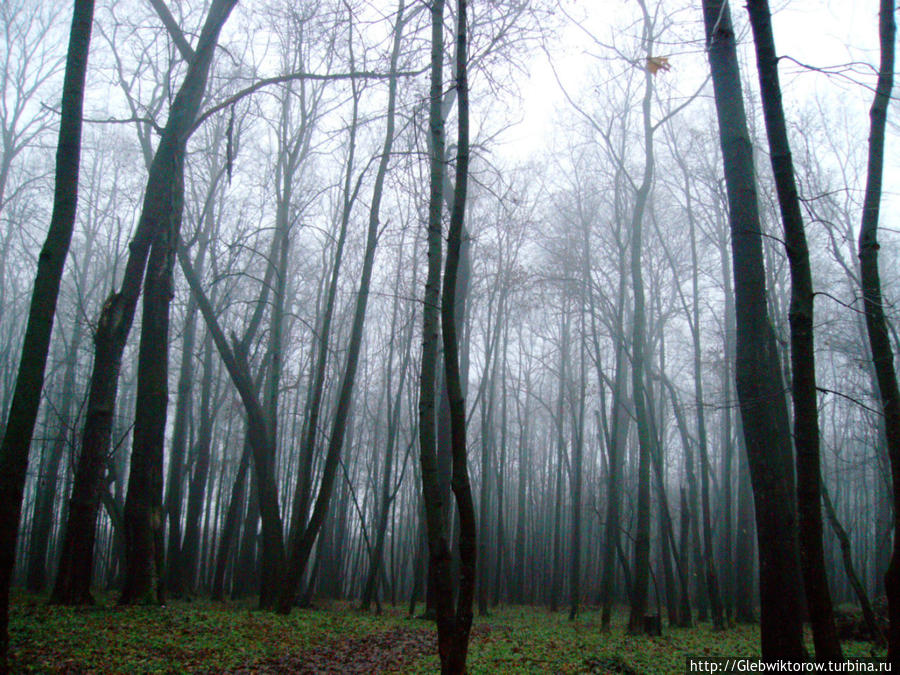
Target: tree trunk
x,y
803,366
759,387
876,323
615,443
259,435
303,535
559,421
144,554
460,625
74,577
190,545
709,568
36,577
30,377
638,605
230,527
577,481
847,559
183,408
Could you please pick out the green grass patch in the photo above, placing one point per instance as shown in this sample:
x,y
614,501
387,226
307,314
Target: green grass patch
x,y
204,637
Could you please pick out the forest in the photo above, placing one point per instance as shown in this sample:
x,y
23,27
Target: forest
x,y
479,336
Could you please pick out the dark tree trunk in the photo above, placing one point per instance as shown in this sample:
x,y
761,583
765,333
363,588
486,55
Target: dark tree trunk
x,y
36,577
577,482
245,576
303,535
803,366
144,517
745,551
183,408
759,384
460,625
453,627
439,583
876,323
685,620
164,182
615,444
230,527
559,421
144,554
638,605
30,377
259,434
682,615
518,592
847,559
190,546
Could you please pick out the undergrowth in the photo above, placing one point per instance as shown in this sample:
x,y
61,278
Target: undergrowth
x,y
204,637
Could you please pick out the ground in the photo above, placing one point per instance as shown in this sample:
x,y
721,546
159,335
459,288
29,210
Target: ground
x,y
203,637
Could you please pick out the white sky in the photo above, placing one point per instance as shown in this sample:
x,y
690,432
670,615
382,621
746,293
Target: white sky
x,y
814,32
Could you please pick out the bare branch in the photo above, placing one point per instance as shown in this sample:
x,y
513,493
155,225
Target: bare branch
x,y
187,53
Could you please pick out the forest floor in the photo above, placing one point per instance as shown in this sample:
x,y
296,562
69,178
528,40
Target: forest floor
x,y
204,637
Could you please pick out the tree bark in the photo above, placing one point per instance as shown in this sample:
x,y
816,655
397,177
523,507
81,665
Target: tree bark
x,y
30,377
230,526
638,605
190,544
164,182
36,577
876,323
760,392
461,623
803,366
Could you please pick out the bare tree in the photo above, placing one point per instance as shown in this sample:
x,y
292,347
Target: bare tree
x,y
803,366
876,323
30,379
758,374
164,188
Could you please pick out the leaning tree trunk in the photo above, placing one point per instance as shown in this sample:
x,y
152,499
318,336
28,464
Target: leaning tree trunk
x,y
303,536
759,387
847,558
876,323
259,436
30,378
74,577
144,517
803,366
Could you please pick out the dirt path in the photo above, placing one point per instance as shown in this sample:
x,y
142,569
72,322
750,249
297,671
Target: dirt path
x,y
386,652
